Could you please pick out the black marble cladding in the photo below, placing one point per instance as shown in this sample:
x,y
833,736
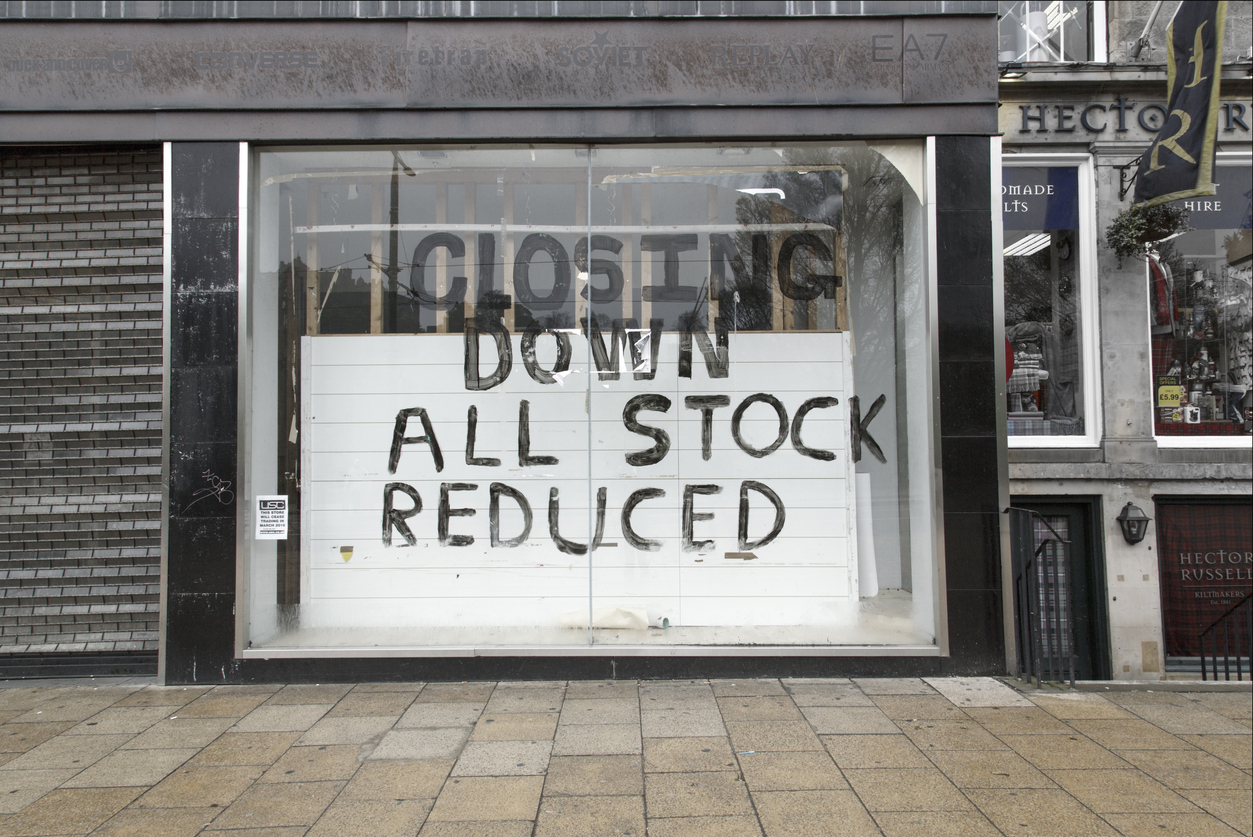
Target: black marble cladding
x,y
203,431
968,392
203,418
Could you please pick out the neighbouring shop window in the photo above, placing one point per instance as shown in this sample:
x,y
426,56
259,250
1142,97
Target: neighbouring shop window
x,y
1043,265
1206,557
621,396
1038,31
1202,320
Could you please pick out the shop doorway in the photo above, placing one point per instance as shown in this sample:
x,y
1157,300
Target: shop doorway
x,y
1072,518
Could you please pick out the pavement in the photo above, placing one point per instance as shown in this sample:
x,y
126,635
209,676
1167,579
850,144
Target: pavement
x,y
698,758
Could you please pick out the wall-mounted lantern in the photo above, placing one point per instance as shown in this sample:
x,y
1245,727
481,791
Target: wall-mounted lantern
x,y
1134,523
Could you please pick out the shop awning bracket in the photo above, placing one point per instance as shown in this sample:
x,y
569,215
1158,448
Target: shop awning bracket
x,y
1124,182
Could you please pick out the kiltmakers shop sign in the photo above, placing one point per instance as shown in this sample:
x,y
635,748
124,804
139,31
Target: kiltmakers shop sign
x,y
1206,564
716,472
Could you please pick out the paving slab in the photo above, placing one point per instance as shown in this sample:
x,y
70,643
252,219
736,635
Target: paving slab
x,y
516,726
580,816
906,789
976,691
66,811
148,822
594,776
489,798
371,818
696,794
504,758
398,779
935,824
421,744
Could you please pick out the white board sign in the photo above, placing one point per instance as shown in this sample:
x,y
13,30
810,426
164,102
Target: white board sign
x,y
448,479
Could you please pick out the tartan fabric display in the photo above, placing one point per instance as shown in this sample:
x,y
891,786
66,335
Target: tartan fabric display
x,y
1205,428
1042,427
1051,573
1205,551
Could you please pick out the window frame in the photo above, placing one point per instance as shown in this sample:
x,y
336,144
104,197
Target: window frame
x,y
930,483
1089,336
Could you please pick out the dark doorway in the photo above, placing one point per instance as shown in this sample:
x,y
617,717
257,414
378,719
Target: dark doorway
x,y
1073,518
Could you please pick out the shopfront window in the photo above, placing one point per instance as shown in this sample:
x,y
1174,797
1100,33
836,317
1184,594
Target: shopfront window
x,y
537,397
1047,316
1199,292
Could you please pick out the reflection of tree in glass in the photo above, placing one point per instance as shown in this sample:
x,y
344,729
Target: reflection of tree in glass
x,y
1029,288
873,222
814,196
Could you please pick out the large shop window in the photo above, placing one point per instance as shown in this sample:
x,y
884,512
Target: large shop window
x,y
1048,310
1202,321
537,397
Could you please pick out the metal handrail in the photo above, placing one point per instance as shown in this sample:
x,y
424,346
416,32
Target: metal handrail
x,y
1232,616
1044,623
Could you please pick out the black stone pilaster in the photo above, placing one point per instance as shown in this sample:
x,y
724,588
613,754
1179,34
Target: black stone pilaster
x,y
967,405
204,488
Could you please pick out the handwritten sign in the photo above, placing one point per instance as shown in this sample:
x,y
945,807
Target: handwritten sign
x,y
484,480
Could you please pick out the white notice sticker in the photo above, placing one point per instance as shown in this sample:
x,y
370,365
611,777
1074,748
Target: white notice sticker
x,y
272,517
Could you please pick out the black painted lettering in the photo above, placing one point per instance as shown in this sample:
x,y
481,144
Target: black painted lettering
x,y
780,515
799,418
560,293
738,416
472,428
722,250
491,304
495,491
504,354
394,518
446,511
671,246
612,271
814,284
529,361
608,360
428,438
857,427
690,516
717,358
653,402
554,513
524,438
706,404
628,508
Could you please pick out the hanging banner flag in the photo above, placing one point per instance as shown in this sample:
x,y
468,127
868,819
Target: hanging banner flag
x,y
1180,162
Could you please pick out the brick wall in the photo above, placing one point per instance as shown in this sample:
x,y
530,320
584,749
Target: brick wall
x,y
80,399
